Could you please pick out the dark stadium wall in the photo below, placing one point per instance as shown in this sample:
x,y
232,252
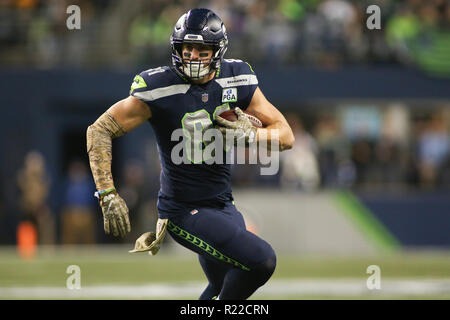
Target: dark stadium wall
x,y
380,82
418,220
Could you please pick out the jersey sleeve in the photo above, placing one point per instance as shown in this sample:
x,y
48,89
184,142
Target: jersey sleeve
x,y
144,84
247,75
138,85
139,88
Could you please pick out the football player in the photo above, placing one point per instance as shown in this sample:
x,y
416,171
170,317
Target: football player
x,y
195,202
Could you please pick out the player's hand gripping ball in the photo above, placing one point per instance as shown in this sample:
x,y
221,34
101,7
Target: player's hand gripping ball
x,y
115,214
241,124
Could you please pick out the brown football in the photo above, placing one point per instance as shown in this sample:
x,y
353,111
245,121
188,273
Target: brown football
x,y
230,115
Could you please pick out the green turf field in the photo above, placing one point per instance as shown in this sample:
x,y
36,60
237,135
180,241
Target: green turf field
x,y
115,268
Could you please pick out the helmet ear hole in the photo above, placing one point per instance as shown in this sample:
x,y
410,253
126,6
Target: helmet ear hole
x,y
179,49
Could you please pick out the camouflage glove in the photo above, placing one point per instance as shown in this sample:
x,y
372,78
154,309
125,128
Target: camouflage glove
x,y
115,212
242,127
161,229
151,241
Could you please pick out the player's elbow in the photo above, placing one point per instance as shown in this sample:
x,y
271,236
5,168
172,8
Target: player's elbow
x,y
90,137
97,135
91,130
289,141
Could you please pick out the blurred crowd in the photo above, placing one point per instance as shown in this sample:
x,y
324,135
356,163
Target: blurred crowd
x,y
326,33
373,149
75,216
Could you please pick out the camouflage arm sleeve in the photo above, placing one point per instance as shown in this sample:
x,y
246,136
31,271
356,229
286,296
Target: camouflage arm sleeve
x,y
99,137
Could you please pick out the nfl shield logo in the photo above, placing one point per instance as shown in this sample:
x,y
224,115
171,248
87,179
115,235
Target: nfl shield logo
x,y
205,97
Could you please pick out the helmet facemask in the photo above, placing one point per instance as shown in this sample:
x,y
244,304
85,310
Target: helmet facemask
x,y
199,68
196,69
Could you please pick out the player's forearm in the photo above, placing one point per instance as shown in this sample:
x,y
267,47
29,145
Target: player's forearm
x,y
99,147
277,134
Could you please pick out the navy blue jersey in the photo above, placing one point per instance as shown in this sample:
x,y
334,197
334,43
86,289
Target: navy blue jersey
x,y
176,103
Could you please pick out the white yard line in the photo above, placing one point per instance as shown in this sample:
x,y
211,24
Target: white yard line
x,y
282,288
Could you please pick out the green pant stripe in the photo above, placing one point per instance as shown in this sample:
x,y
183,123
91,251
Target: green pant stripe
x,y
203,245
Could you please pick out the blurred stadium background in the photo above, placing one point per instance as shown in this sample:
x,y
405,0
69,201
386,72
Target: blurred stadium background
x,y
367,182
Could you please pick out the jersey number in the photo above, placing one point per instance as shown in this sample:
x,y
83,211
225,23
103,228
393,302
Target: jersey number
x,y
194,125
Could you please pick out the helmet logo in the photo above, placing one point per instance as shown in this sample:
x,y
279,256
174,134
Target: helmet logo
x,y
196,37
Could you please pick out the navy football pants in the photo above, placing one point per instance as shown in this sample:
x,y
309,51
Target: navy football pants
x,y
235,261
